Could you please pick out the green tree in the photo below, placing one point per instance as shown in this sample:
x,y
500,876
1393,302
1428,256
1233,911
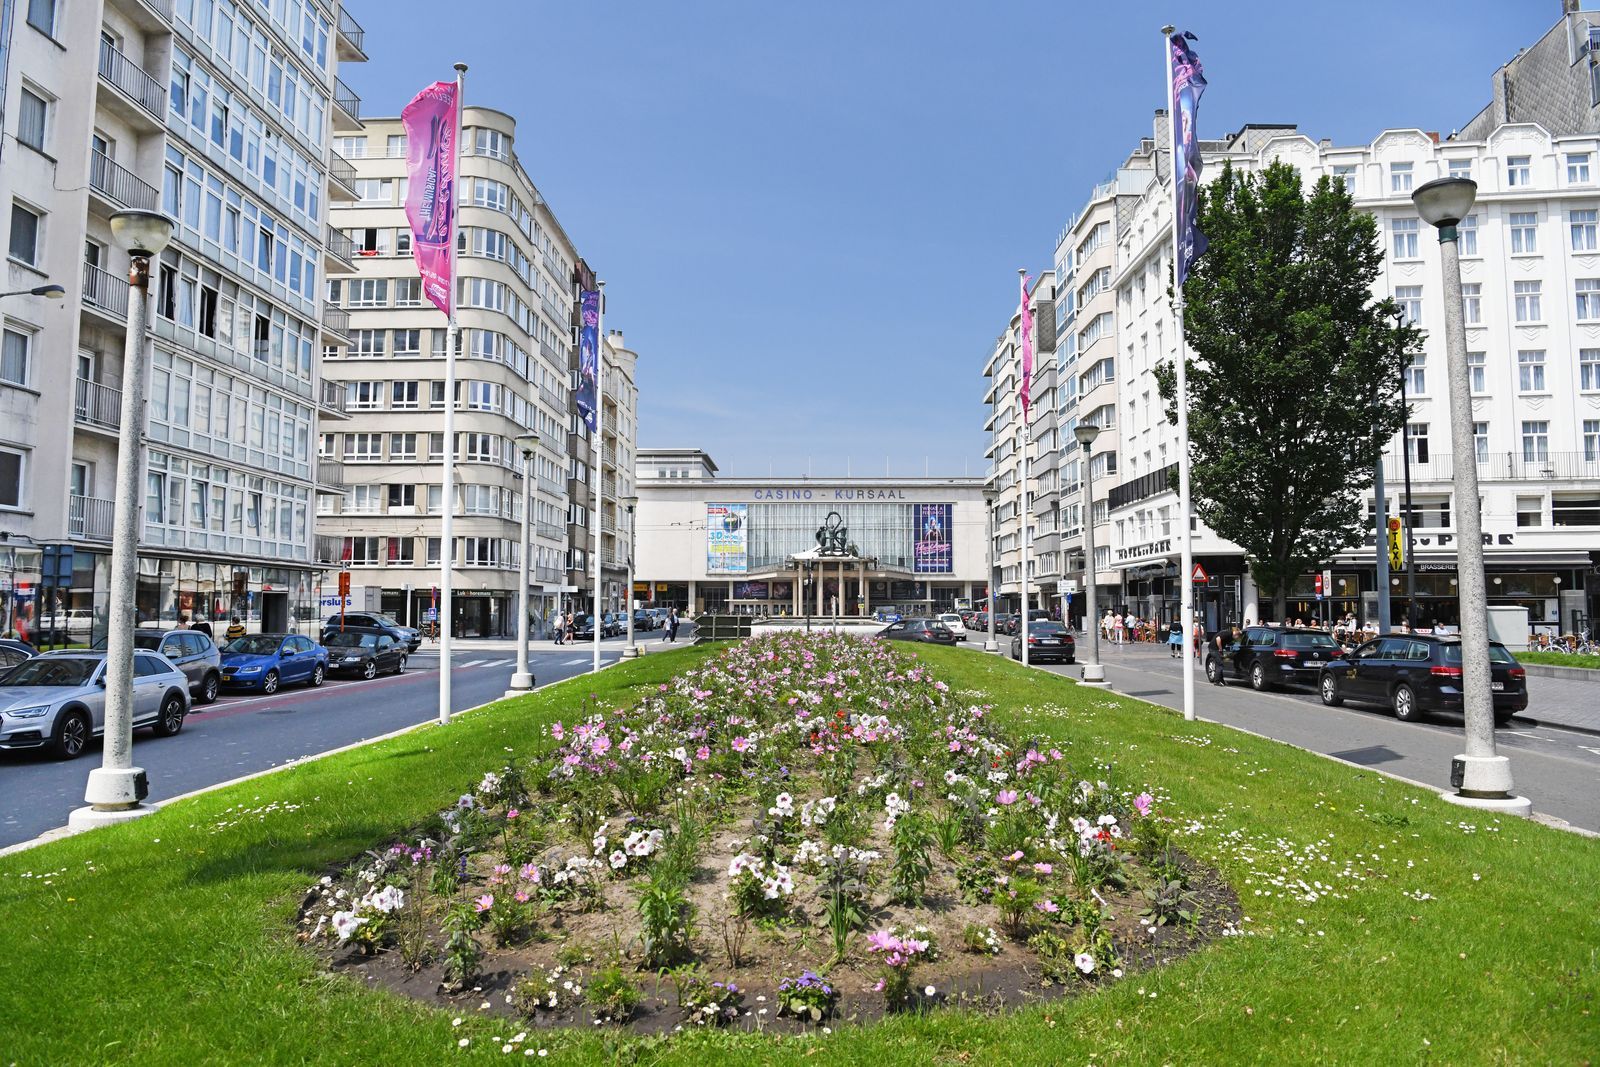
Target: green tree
x,y
1294,370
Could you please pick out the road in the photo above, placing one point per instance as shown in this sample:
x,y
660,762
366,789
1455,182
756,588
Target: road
x,y
243,734
1558,769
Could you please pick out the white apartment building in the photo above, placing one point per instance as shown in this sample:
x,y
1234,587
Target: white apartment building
x,y
218,113
515,311
619,425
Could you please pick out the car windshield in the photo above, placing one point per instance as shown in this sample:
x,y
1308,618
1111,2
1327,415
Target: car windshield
x,y
351,641
52,671
1308,641
255,645
1497,655
1046,628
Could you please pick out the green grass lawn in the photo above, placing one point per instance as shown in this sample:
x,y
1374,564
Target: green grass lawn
x,y
1439,935
1560,659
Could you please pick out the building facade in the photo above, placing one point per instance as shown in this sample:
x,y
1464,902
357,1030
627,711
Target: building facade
x,y
219,115
515,266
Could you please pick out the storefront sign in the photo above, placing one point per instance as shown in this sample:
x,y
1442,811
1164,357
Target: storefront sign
x,y
727,538
1154,548
827,494
933,553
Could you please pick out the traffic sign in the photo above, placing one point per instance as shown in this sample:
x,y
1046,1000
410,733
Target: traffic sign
x,y
1397,544
1199,574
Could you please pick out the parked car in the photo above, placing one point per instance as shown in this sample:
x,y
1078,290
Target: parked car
x,y
364,652
58,700
192,652
14,652
952,621
1414,674
71,623
583,628
267,661
887,613
643,620
1046,641
409,636
927,631
1006,622
615,623
1269,657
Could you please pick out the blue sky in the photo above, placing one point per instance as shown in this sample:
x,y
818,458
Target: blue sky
x,y
810,215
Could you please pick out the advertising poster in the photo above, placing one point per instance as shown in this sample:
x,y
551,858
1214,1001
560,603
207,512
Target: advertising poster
x,y
933,554
749,590
727,538
588,397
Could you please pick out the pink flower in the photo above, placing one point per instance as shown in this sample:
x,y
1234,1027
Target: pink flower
x,y
1143,803
702,753
741,743
557,732
1006,797
600,745
1015,856
1055,754
484,903
521,896
512,814
530,873
1043,868
955,746
1048,906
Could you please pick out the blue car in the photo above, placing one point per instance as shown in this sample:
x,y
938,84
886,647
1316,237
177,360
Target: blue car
x,y
266,661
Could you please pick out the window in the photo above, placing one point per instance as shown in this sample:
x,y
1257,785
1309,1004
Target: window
x,y
1524,233
25,226
408,342
402,496
1527,302
494,144
375,190
1530,511
1467,235
31,114
1480,441
364,500
1417,442
1417,374
1589,368
1530,371
1591,439
1399,177
360,551
1345,174
1518,171
1574,510
1535,441
1476,372
407,292
402,446
11,473
363,396
368,343
436,394
402,551
1409,297
1472,303
1577,168
42,16
369,292
363,446
402,396
1582,225
351,147
1404,233
14,347
1587,294
1460,168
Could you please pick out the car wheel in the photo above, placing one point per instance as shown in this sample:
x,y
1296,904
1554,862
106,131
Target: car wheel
x,y
318,673
209,688
71,735
1072,659
370,670
1213,672
269,684
1258,679
1330,691
170,721
1503,720
400,668
1405,704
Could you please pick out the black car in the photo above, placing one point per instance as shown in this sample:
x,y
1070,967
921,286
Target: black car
x,y
1047,641
615,623
1270,657
643,620
14,652
1413,674
365,652
583,628
408,636
1006,622
927,631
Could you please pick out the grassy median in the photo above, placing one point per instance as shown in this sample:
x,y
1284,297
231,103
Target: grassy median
x,y
1383,925
1561,659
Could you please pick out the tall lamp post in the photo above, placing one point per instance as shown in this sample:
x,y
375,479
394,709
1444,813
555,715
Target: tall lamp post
x,y
51,291
1405,467
990,495
116,787
632,651
523,680
1093,673
1481,776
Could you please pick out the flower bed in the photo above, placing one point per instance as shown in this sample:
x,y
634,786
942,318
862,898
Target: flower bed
x,y
802,830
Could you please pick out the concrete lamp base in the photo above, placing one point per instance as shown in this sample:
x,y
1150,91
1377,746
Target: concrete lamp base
x,y
990,646
1521,807
89,818
632,652
1484,782
116,788
1094,676
520,685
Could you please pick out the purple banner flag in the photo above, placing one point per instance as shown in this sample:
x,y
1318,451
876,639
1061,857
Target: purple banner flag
x,y
589,358
430,125
1188,83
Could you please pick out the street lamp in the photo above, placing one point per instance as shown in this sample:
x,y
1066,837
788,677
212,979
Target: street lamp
x,y
52,291
1482,778
1093,673
523,680
990,495
632,651
805,593
116,787
1405,462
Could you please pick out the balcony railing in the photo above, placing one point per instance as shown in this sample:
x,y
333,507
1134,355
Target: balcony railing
x,y
330,472
120,184
552,487
333,396
350,30
342,171
131,80
550,531
1527,466
98,405
91,518
160,7
545,573
346,100
105,291
336,320
340,247
327,549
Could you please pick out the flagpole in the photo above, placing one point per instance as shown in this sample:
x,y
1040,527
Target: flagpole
x,y
599,471
1185,533
1022,324
447,545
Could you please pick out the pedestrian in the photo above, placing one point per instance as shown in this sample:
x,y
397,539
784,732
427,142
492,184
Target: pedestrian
x,y
672,625
1198,637
1117,630
1175,637
183,622
235,630
569,628
203,627
1105,626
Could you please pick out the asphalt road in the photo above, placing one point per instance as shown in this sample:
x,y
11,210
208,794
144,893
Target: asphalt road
x,y
243,734
1558,769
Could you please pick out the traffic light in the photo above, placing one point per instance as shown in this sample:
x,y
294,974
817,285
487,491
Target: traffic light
x,y
344,584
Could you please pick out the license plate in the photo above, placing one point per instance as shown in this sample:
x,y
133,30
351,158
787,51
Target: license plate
x,y
1313,663
1498,687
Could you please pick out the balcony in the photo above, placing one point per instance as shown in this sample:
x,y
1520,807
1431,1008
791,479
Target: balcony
x,y
336,324
1493,466
327,550
331,400
99,406
90,518
608,455
330,476
138,97
118,186
352,39
342,179
554,488
555,575
106,293
346,108
341,256
550,531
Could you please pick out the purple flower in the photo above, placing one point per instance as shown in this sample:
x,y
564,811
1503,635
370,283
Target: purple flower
x,y
1143,803
741,743
1006,797
484,903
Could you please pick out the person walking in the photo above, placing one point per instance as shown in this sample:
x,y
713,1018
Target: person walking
x,y
1117,630
1175,637
672,625
569,629
203,626
559,626
234,631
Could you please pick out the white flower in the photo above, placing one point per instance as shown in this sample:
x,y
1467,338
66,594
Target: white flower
x,y
1085,962
389,899
618,860
928,991
345,924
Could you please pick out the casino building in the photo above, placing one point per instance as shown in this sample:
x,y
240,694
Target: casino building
x,y
798,546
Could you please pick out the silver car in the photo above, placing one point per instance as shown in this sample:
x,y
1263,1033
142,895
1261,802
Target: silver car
x,y
193,653
58,700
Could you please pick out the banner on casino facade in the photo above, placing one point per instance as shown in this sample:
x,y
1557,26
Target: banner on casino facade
x,y
933,553
727,538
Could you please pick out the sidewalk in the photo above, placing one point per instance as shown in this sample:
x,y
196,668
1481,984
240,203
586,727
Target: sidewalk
x,y
1568,702
472,646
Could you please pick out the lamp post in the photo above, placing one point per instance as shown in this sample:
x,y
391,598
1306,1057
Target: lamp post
x,y
632,651
1482,777
52,291
1093,673
990,495
523,680
805,592
1405,467
116,787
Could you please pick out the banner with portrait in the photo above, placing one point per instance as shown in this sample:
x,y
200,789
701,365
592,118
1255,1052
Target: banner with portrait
x,y
933,553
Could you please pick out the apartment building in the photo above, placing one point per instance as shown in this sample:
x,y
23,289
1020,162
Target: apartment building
x,y
218,114
515,266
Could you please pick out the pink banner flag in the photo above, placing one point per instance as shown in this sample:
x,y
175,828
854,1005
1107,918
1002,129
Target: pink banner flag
x,y
430,124
1027,350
